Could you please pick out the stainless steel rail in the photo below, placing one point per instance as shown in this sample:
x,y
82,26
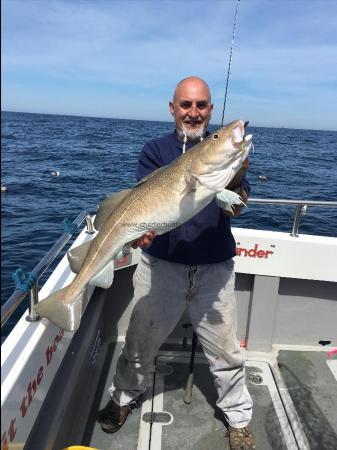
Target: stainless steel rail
x,y
301,207
18,295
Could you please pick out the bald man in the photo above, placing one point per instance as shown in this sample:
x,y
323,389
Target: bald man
x,y
190,267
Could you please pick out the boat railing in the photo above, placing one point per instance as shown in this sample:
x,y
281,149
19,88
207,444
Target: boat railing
x,y
19,294
30,282
301,207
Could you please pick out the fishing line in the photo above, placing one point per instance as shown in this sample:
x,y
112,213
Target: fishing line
x,y
230,61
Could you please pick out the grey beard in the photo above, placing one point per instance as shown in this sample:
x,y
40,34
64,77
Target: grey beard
x,y
192,135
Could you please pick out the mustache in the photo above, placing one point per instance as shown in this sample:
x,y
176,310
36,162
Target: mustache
x,y
190,120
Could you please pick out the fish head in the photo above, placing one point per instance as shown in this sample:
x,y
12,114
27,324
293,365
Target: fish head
x,y
221,155
227,144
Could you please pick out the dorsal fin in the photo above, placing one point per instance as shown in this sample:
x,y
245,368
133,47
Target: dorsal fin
x,y
155,172
108,205
77,255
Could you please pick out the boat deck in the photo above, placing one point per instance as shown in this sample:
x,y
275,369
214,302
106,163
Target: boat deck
x,y
311,379
165,421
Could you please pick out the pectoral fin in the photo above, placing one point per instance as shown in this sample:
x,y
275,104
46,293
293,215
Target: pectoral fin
x,y
105,277
226,199
107,206
191,183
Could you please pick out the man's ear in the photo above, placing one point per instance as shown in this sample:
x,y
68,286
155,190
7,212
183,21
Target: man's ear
x,y
171,105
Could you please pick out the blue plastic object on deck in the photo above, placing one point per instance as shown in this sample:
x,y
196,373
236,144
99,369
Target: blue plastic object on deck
x,y
24,280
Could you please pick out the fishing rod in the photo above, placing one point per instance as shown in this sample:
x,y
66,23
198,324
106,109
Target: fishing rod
x,y
230,60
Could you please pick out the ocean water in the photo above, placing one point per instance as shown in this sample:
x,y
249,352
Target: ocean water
x,y
97,156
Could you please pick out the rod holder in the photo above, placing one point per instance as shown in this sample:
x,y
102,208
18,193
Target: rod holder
x,y
300,209
89,224
33,300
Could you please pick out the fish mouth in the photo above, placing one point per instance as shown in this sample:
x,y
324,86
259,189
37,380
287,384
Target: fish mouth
x,y
247,139
243,147
238,134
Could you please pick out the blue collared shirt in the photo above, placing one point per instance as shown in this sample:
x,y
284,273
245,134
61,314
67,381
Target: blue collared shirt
x,y
204,239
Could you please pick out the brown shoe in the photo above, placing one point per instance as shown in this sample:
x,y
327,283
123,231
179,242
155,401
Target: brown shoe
x,y
112,417
241,438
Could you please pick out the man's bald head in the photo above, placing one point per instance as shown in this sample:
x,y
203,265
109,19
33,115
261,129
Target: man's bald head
x,y
192,84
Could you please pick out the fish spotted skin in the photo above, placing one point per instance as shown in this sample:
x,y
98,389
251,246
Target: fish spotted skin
x,y
171,196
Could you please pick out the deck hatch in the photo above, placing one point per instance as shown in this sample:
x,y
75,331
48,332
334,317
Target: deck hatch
x,y
255,378
157,417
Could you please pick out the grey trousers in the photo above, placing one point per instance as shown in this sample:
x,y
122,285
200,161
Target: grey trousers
x,y
163,290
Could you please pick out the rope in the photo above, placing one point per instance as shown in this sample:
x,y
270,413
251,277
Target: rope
x,y
24,280
230,61
69,227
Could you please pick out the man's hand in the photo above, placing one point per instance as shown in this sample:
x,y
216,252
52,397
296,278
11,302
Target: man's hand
x,y
145,240
243,194
236,181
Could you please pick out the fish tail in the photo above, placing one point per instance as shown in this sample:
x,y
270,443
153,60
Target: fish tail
x,y
62,309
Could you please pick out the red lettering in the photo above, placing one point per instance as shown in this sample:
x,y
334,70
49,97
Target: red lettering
x,y
12,430
49,354
56,343
39,375
52,349
31,387
31,391
4,442
23,406
253,252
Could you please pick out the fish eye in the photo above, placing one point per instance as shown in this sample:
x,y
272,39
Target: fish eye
x,y
215,136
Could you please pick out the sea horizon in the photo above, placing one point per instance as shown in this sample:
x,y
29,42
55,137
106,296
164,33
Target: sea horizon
x,y
159,121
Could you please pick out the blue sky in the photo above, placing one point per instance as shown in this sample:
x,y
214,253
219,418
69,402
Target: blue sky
x,y
123,58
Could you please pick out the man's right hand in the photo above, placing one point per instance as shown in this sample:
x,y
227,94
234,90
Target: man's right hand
x,y
238,177
145,240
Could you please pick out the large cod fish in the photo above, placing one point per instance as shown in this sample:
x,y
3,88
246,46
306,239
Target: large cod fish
x,y
170,195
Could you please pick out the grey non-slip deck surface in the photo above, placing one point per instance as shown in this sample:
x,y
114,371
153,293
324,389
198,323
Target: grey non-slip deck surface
x,y
313,390
198,425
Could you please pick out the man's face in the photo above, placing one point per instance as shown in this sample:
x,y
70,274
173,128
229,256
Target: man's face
x,y
191,108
